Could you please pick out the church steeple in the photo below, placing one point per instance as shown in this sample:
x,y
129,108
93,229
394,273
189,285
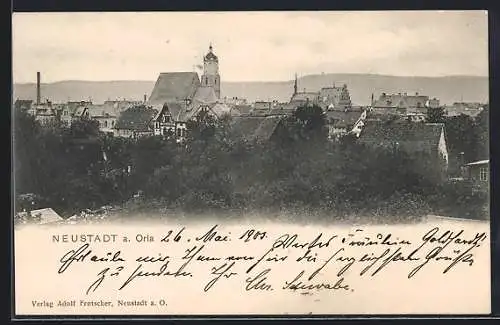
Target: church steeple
x,y
211,77
295,86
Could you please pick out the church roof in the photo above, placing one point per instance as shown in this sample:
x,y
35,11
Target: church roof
x,y
174,87
205,95
305,96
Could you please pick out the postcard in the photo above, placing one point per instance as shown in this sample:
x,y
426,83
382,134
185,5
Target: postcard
x,y
251,163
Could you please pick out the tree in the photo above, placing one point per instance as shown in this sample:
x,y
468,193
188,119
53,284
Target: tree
x,y
311,122
435,115
482,124
461,140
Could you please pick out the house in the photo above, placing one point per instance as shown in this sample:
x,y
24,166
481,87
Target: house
x,y
45,112
241,110
136,122
416,117
73,111
425,143
118,106
459,108
105,115
402,103
262,106
24,105
335,98
478,174
257,128
343,122
234,101
164,123
40,216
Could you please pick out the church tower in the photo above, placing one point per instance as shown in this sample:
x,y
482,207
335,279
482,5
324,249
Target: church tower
x,y
211,77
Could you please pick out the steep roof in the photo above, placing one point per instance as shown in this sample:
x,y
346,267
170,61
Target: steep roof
x,y
137,118
255,128
220,109
343,118
46,215
413,136
174,87
205,95
304,96
210,55
172,109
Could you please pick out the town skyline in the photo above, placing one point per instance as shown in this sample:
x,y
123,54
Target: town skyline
x,y
382,43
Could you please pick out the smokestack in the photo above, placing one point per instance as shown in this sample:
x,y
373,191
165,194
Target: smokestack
x,y
145,98
38,97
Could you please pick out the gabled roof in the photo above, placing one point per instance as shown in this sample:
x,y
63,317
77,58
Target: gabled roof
x,y
254,128
343,119
137,118
102,111
172,109
417,136
46,215
220,109
205,95
305,96
174,87
283,110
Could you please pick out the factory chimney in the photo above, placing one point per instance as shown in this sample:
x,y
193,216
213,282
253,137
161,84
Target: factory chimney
x,y
38,97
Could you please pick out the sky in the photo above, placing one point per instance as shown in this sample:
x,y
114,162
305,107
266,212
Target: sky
x,y
252,46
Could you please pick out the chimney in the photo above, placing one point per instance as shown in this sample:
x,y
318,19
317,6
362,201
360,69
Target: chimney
x,y
38,96
145,98
416,94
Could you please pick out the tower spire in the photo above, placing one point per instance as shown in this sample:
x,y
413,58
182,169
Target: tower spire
x,y
295,85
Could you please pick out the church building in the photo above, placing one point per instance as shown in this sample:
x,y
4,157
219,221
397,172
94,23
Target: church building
x,y
182,96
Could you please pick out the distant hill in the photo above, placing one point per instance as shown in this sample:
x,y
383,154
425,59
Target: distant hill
x,y
361,86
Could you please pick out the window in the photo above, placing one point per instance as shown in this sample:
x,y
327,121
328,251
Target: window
x,y
105,124
178,132
483,174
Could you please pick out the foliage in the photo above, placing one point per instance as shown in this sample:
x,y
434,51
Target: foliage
x,y
435,114
76,167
